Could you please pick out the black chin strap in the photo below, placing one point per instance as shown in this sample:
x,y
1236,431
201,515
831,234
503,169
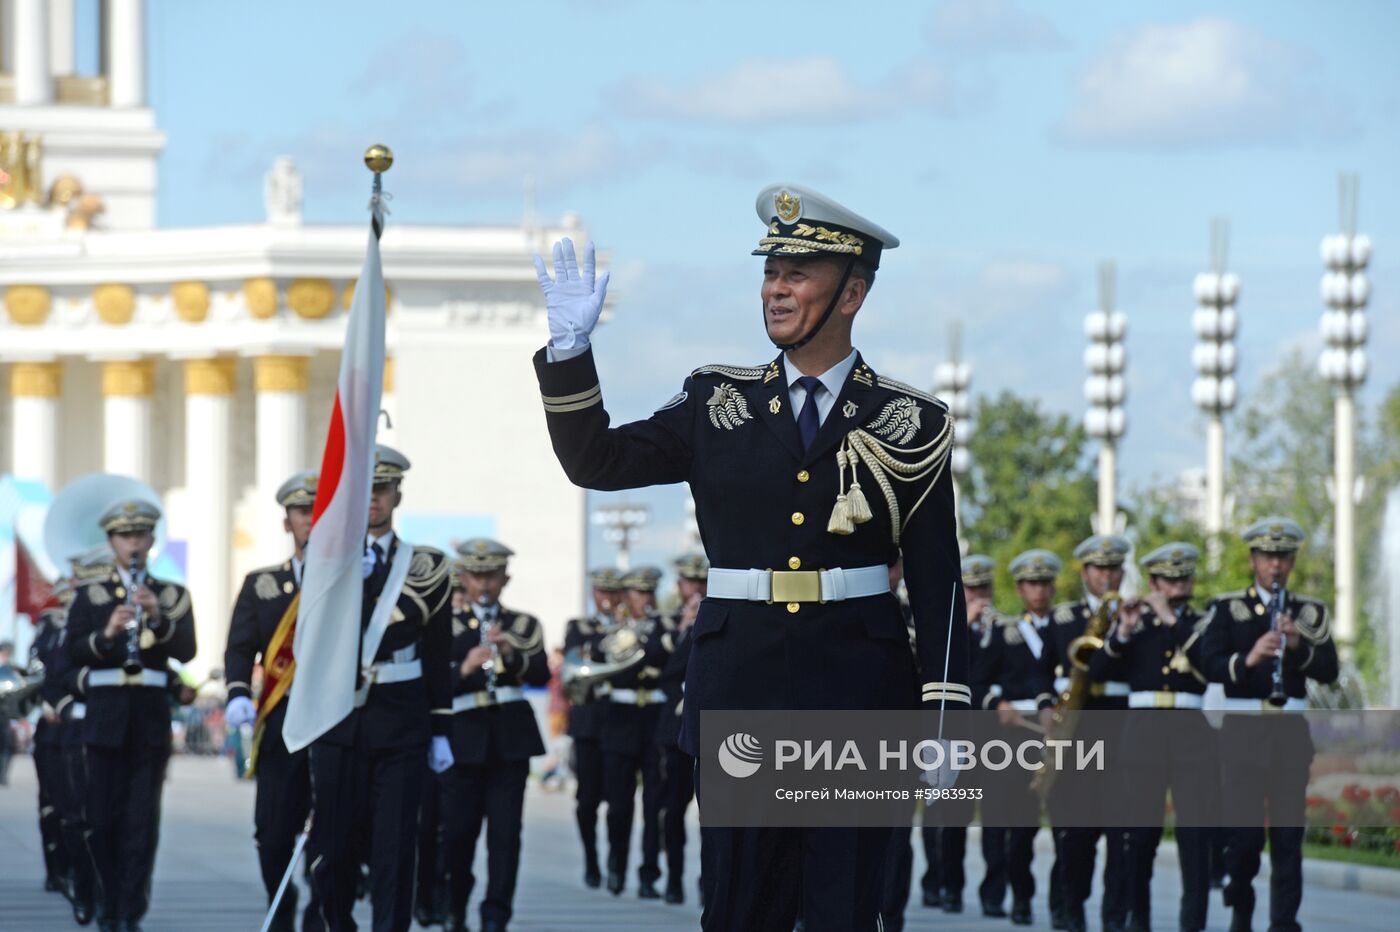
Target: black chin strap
x,y
826,315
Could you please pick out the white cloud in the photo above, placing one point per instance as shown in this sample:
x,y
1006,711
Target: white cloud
x,y
991,25
818,89
1206,83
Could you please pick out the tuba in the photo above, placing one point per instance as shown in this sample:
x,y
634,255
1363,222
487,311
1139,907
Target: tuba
x,y
70,527
19,691
621,649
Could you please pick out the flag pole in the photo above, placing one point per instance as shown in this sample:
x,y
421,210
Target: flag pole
x,y
378,159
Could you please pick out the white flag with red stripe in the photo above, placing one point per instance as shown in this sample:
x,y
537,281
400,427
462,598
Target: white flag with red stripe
x,y
327,643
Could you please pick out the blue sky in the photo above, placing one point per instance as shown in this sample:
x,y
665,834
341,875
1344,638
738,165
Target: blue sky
x,y
1010,145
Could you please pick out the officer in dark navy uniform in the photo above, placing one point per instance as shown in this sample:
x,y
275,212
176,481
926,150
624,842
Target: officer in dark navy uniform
x,y
496,652
581,638
677,767
264,612
430,898
1101,558
1156,647
790,466
47,749
367,770
122,631
1017,664
1264,644
627,734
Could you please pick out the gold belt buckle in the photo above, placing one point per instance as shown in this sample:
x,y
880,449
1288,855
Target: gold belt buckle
x,y
1165,699
1097,689
796,586
644,697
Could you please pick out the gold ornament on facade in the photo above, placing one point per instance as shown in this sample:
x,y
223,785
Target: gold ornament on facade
x,y
260,294
36,379
347,296
128,379
279,373
28,305
311,298
84,211
212,376
191,301
388,375
116,304
64,190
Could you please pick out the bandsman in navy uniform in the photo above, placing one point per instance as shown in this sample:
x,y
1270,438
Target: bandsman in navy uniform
x,y
367,770
47,745
627,733
430,900
122,631
496,652
1101,558
1156,646
581,638
261,632
678,767
1264,644
811,474
1016,662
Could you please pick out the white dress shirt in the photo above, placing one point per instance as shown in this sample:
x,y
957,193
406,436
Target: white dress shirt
x,y
832,381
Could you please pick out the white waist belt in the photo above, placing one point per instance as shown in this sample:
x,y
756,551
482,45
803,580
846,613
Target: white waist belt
x,y
834,585
78,710
1115,688
1263,705
381,673
1025,705
122,678
483,698
1164,699
638,696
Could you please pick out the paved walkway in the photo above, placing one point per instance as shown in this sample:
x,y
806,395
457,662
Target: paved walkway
x,y
206,874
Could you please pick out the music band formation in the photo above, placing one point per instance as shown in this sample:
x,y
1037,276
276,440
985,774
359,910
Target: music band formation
x,y
832,579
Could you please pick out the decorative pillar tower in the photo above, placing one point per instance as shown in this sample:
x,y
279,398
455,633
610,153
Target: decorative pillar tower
x,y
1214,359
1105,391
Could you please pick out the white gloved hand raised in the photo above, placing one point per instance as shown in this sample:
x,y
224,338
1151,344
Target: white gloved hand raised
x,y
240,712
942,777
439,754
573,300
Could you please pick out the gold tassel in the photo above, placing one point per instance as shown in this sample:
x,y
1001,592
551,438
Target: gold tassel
x,y
858,506
840,522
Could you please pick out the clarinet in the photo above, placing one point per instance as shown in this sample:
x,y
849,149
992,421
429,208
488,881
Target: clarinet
x,y
1277,697
132,664
489,667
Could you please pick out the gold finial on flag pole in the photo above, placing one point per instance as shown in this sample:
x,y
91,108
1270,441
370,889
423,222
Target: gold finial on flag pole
x,y
379,158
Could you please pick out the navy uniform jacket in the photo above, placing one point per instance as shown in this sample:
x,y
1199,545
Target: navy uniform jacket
x,y
113,712
408,713
583,635
630,727
509,728
1158,657
761,502
261,603
1236,620
46,646
668,729
1010,669
979,640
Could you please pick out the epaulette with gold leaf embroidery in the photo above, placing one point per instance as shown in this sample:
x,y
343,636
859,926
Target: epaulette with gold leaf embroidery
x,y
744,373
1064,614
897,386
1011,631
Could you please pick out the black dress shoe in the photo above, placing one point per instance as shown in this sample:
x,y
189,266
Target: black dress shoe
x,y
1241,921
1076,922
993,910
1059,919
108,925
456,925
615,882
422,912
952,902
1137,925
492,925
933,899
646,890
1021,913
83,910
592,877
131,925
675,892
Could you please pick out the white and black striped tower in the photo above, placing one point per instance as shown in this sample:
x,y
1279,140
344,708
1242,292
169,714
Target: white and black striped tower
x,y
951,383
1105,391
1345,292
1214,358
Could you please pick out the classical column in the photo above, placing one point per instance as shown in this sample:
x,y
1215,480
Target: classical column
x,y
209,385
61,37
126,52
127,387
280,384
35,389
33,84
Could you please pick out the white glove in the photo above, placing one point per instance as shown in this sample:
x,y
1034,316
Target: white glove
x,y
439,754
240,712
573,301
367,562
942,777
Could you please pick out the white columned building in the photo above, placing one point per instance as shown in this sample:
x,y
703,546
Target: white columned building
x,y
203,360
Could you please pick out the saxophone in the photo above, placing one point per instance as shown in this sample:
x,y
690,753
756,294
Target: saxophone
x,y
1065,716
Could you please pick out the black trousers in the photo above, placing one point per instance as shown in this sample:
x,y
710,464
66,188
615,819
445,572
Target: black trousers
x,y
992,890
494,791
49,772
762,879
620,789
72,811
279,812
677,790
432,855
123,806
354,792
898,874
588,767
1079,854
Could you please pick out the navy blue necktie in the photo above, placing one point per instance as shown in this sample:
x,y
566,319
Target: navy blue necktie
x,y
808,420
